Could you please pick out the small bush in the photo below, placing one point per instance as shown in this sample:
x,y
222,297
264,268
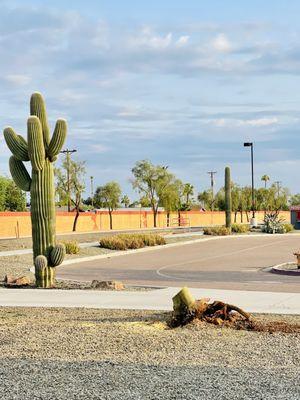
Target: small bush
x,y
72,247
217,231
240,228
131,241
288,227
274,224
112,243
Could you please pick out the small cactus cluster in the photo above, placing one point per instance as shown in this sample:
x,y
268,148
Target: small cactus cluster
x,y
228,197
41,151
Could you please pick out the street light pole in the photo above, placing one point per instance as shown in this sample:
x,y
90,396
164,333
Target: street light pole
x,y
250,144
68,152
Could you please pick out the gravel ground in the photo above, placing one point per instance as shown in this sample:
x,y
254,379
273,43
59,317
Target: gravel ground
x,y
21,264
104,354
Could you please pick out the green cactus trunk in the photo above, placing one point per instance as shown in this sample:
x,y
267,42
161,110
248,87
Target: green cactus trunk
x,y
43,219
228,197
41,151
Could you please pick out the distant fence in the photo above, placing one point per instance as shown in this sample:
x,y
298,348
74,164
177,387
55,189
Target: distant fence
x,y
17,224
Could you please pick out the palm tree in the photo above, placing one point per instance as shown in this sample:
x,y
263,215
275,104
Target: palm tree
x,y
125,200
265,178
188,191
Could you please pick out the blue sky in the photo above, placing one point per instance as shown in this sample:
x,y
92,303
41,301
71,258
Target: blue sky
x,y
180,83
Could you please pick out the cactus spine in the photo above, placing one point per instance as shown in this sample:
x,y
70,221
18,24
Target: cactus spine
x,y
228,197
41,151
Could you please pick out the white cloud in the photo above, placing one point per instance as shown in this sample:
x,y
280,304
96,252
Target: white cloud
x,y
233,122
146,38
221,43
18,79
260,122
98,148
182,40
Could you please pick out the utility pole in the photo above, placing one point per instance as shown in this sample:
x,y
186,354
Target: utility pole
x,y
68,152
92,190
212,184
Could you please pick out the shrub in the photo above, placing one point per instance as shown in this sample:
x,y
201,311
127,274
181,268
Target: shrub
x,y
240,228
131,241
274,224
72,247
112,243
217,231
288,227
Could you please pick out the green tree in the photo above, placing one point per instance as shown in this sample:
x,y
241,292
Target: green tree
x,y
15,199
144,202
11,196
171,198
206,199
236,200
265,178
125,200
3,187
108,196
151,181
73,188
246,200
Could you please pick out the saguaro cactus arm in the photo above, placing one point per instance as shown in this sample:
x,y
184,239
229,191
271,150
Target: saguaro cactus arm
x,y
57,254
19,174
58,138
36,148
16,144
38,108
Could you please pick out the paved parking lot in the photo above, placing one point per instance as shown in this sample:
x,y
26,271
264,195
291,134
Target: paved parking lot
x,y
226,263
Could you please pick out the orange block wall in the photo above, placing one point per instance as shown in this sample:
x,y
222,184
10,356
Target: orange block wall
x,y
18,224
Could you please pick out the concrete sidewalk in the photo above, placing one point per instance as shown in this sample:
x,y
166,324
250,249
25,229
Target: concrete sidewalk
x,y
156,299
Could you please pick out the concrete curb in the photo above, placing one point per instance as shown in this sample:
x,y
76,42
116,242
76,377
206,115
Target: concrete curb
x,y
277,269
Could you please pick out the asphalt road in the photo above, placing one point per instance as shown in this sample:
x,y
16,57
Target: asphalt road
x,y
226,263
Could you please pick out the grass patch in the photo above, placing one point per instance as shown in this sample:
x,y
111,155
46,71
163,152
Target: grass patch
x,y
131,241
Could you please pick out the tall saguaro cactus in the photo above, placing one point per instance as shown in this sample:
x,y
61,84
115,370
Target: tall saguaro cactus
x,y
228,197
41,151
